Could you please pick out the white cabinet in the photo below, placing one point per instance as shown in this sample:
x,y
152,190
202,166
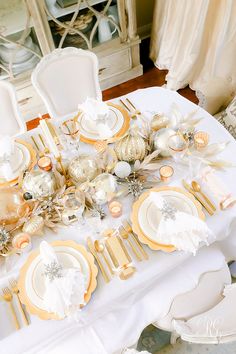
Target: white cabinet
x,y
30,29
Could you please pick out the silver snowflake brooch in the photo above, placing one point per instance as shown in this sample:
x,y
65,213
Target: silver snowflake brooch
x,y
53,270
168,211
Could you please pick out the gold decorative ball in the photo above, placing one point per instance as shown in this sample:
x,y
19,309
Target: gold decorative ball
x,y
160,141
34,226
159,121
130,148
83,168
12,206
39,183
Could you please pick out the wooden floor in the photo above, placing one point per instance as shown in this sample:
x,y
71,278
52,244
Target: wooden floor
x,y
151,77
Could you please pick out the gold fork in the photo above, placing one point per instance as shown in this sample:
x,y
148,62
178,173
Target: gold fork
x,y
46,149
15,290
37,147
129,229
134,111
7,296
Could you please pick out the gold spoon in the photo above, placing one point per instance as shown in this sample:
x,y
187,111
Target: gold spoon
x,y
99,247
197,188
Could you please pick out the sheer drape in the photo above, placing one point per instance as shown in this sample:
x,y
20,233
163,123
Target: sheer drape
x,y
196,41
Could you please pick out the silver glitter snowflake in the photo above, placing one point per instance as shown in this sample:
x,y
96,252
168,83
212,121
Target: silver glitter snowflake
x,y
4,237
168,211
97,210
53,270
135,187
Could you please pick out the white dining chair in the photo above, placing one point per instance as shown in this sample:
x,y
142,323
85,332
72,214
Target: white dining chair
x,y
215,326
65,78
11,121
203,297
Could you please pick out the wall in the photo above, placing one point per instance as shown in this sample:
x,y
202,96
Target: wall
x,y
144,16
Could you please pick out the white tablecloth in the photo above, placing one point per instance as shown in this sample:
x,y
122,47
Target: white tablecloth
x,y
118,311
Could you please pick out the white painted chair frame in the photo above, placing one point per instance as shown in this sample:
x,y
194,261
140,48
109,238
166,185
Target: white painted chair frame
x,y
65,78
11,121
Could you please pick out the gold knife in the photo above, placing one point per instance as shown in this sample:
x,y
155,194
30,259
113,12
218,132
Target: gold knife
x,y
198,197
92,250
53,131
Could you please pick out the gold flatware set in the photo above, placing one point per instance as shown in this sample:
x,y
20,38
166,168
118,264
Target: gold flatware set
x,y
196,191
39,141
113,252
134,112
41,146
8,294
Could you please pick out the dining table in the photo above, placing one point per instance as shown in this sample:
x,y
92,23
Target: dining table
x,y
119,310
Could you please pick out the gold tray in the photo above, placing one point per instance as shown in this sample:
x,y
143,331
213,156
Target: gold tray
x,y
44,315
120,133
33,161
139,232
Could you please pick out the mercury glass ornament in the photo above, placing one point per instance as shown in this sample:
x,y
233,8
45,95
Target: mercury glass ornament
x,y
12,205
159,121
105,185
39,183
130,148
160,141
83,168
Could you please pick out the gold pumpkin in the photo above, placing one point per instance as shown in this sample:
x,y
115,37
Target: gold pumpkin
x,y
130,148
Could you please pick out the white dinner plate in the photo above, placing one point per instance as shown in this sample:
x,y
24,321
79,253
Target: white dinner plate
x,y
19,160
35,278
149,216
115,122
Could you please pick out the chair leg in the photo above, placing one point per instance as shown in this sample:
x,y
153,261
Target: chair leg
x,y
173,338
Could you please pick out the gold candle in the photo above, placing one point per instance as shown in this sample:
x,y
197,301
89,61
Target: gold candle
x,y
45,163
166,172
115,209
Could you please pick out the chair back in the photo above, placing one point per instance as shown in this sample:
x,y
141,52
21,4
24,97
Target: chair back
x,y
65,78
11,121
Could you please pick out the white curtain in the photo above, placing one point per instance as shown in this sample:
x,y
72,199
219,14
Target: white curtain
x,y
196,41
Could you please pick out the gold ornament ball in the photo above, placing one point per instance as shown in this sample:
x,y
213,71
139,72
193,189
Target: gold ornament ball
x,y
12,205
39,183
83,168
159,121
160,141
34,226
104,185
130,148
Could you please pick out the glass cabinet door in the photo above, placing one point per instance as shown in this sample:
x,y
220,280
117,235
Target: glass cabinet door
x,y
83,23
19,47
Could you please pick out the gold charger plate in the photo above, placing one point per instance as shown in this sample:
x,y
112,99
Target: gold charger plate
x,y
33,161
135,223
120,133
44,315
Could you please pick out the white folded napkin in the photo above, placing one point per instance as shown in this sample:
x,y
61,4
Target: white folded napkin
x,y
6,146
6,150
177,228
94,109
65,287
216,186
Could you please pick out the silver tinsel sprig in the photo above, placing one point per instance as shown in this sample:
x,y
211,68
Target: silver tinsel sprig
x,y
97,210
4,237
135,187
